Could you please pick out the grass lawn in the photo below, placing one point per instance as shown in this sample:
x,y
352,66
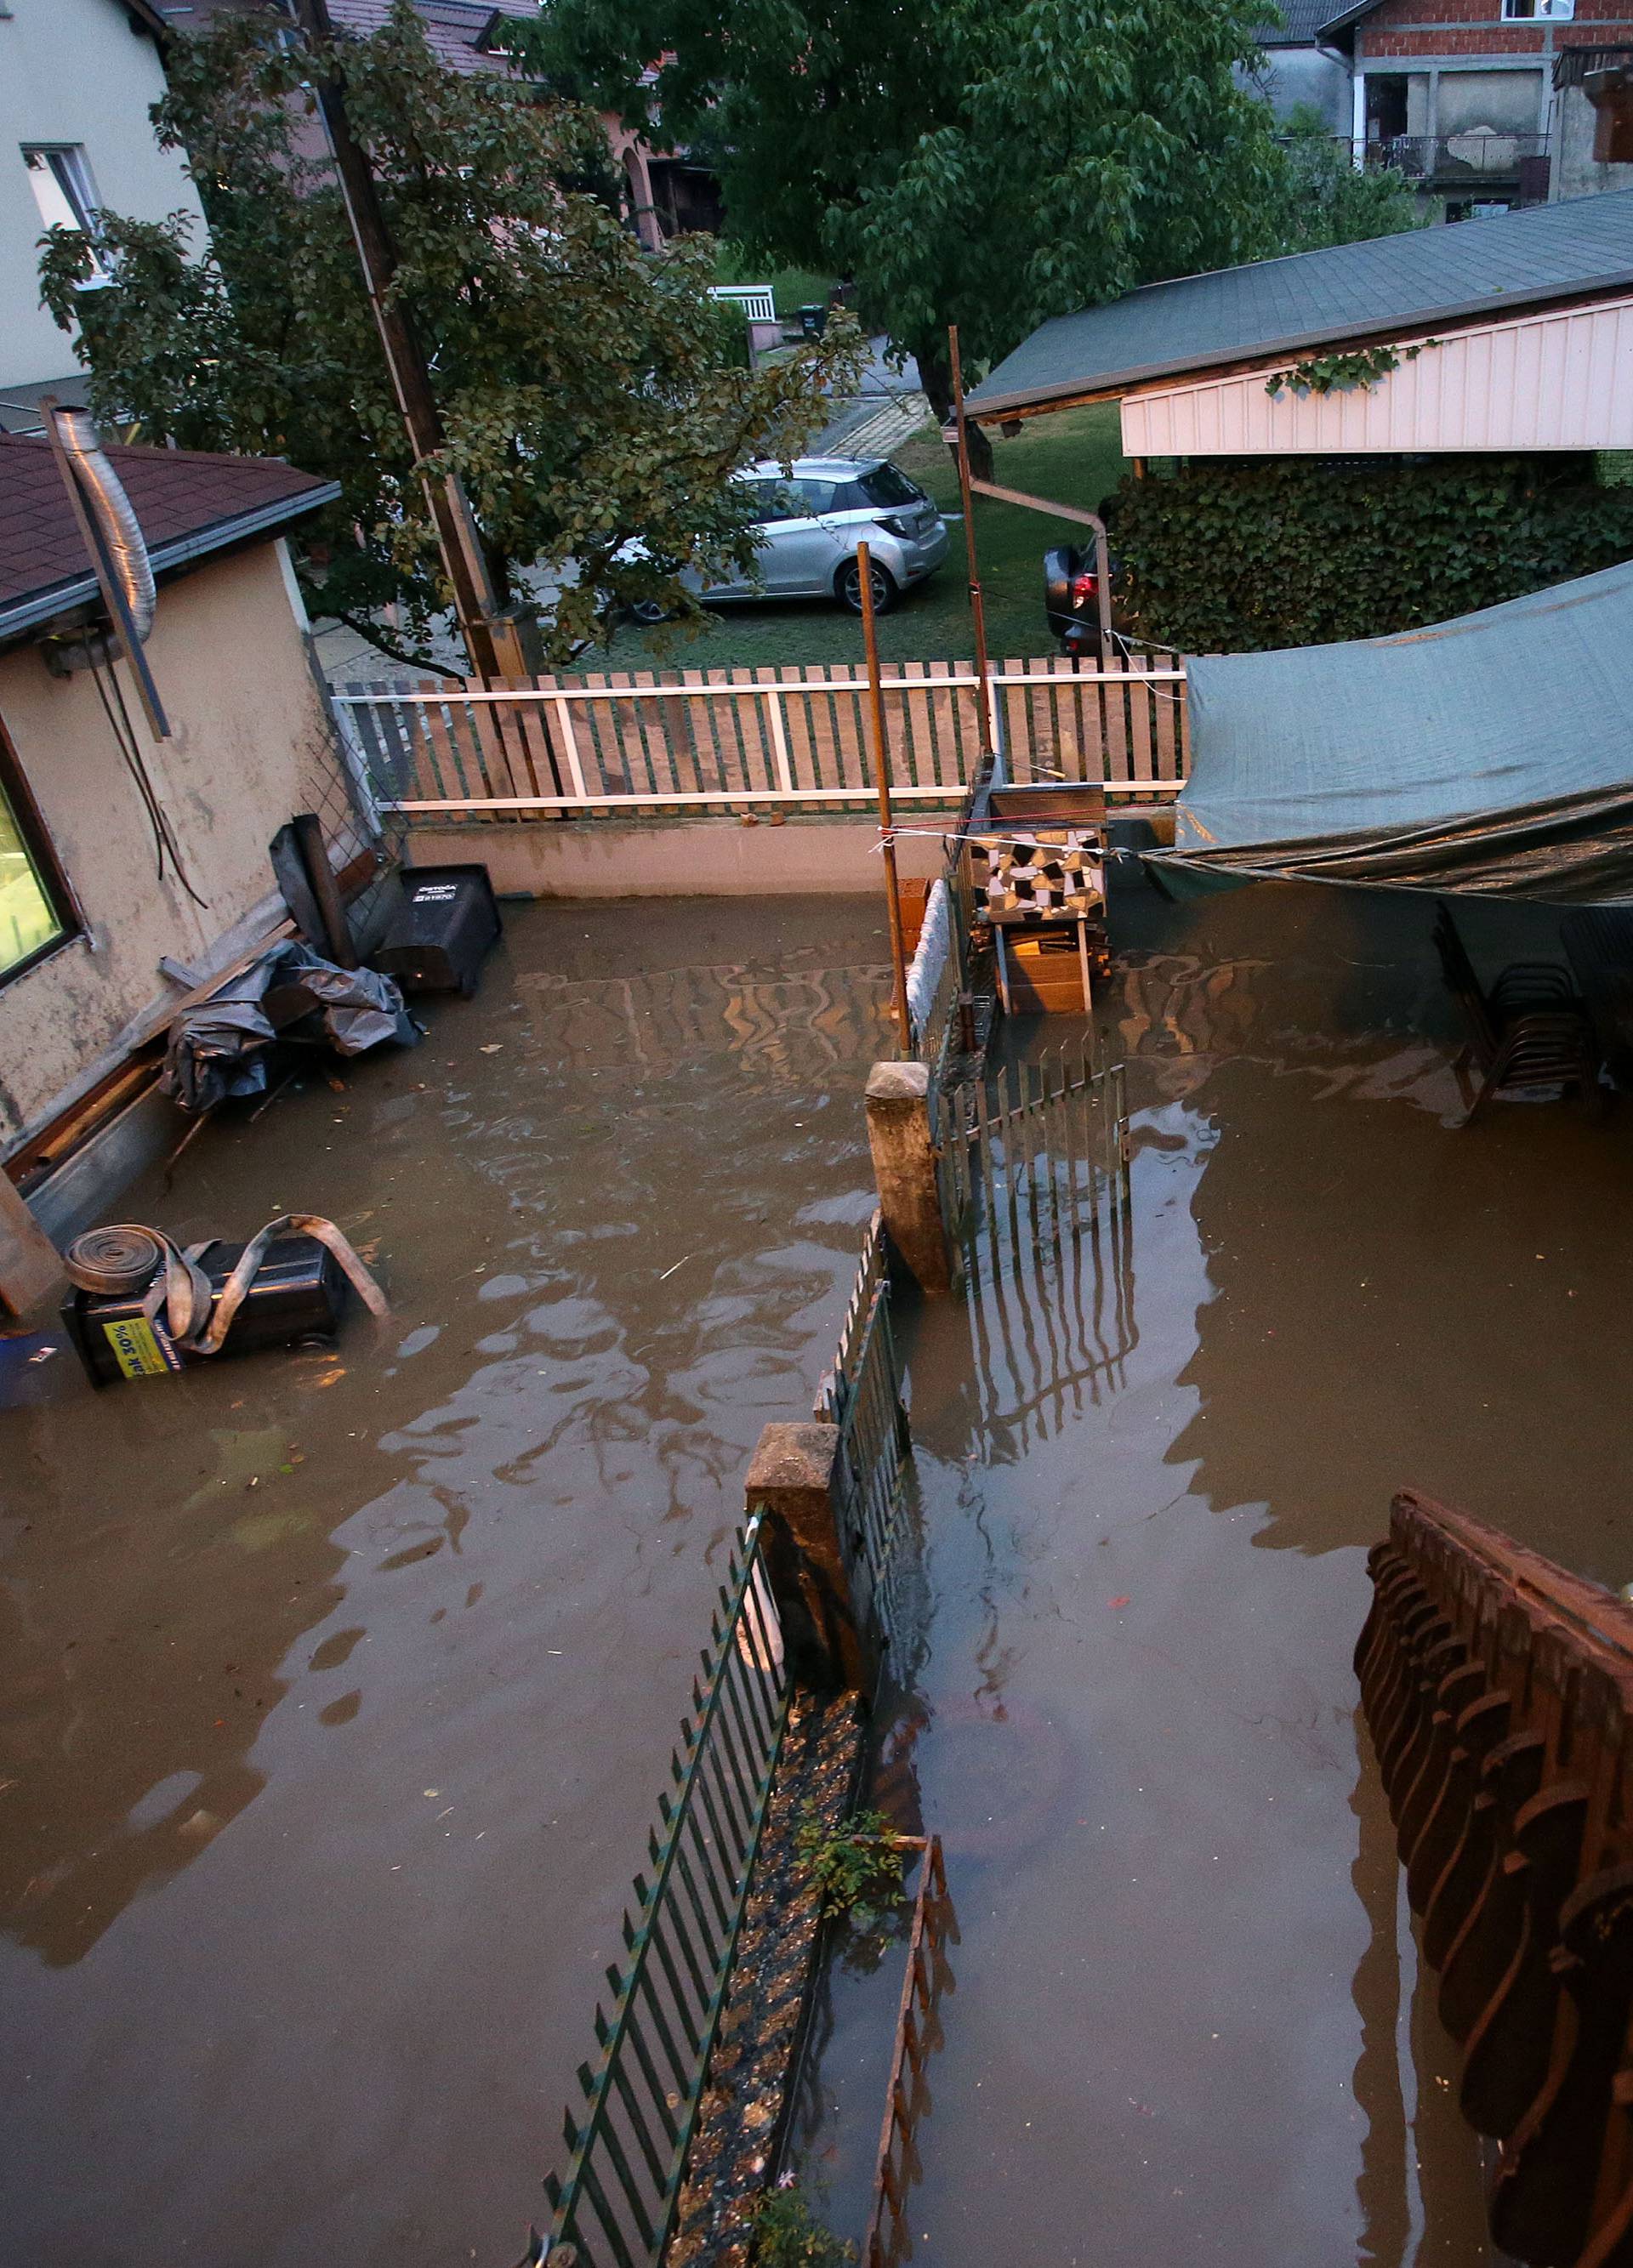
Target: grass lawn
x,y
1076,455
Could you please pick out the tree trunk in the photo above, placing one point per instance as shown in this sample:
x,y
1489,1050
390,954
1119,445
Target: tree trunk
x,y
936,377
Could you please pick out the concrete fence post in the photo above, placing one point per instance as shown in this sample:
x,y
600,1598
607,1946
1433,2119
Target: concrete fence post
x,y
794,1476
903,1167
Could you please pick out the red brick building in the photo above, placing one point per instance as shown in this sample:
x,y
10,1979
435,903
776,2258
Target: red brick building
x,y
1486,102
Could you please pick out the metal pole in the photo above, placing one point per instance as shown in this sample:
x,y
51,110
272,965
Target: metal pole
x,y
463,562
977,611
881,775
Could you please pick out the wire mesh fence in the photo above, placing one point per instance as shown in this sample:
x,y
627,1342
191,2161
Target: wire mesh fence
x,y
615,2205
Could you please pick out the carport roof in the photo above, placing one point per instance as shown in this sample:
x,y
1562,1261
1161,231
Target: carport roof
x,y
1465,271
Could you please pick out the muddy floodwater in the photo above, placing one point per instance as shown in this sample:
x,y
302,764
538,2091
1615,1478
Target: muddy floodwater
x,y
1185,2020
335,1694
335,1691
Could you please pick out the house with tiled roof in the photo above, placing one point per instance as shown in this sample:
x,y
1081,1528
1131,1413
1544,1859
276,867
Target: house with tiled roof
x,y
134,861
78,80
665,191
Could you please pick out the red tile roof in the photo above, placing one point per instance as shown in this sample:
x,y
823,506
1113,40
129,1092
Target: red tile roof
x,y
186,500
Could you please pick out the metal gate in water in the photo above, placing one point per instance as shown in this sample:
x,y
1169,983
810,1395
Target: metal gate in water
x,y
1034,1172
862,1395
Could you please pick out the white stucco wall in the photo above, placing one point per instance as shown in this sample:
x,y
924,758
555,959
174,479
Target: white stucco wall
x,y
72,72
250,748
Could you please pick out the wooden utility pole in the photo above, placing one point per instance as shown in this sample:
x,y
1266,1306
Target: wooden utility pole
x,y
977,611
491,644
881,776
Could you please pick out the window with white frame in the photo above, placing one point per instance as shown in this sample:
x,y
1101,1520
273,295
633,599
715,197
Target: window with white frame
x,y
1525,11
63,190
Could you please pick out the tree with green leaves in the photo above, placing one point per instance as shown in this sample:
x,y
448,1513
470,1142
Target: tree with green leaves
x,y
592,401
964,161
1333,200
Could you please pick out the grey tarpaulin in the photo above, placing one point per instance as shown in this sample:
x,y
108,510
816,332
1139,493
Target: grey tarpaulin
x,y
1492,755
218,1048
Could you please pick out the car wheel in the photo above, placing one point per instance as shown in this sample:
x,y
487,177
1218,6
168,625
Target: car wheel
x,y
847,588
649,612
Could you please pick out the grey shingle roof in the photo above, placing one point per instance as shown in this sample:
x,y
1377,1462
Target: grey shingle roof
x,y
1470,270
1301,20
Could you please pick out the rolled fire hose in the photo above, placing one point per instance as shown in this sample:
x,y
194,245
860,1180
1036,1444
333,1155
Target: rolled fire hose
x,y
120,1260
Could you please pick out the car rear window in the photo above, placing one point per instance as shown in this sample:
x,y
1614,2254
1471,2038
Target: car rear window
x,y
885,486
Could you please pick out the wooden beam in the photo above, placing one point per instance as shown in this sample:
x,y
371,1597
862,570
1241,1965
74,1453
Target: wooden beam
x,y
29,1265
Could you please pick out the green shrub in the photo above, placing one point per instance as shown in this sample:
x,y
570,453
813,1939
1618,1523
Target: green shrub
x,y
853,1865
1229,556
787,2235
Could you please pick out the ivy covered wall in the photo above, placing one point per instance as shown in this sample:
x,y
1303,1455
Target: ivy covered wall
x,y
1227,556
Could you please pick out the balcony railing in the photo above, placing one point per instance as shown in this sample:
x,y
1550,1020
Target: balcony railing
x,y
1447,159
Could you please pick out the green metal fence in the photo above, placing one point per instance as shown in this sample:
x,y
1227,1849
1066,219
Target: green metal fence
x,y
615,2206
862,1395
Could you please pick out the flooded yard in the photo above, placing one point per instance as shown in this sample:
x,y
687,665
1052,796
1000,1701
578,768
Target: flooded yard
x,y
1184,2019
335,1693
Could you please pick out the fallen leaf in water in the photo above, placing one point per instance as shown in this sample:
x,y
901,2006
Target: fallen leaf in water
x,y
490,1047
1123,1602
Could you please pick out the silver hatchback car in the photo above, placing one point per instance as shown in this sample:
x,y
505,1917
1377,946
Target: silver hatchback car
x,y
811,520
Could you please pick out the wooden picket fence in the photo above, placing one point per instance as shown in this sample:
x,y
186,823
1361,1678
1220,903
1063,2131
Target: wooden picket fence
x,y
721,740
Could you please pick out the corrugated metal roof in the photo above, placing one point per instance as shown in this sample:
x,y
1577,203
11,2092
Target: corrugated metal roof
x,y
1301,20
1466,270
187,500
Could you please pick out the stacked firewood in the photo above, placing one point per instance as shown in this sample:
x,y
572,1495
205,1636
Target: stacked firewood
x,y
1498,1689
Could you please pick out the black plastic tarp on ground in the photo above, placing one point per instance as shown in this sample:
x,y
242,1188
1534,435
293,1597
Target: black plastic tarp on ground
x,y
1493,754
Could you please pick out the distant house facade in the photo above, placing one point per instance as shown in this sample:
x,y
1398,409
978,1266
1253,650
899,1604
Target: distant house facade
x,y
77,79
665,192
1296,72
1475,99
100,927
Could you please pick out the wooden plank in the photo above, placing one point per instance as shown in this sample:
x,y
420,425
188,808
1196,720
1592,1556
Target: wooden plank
x,y
1115,716
30,1268
442,751
1139,731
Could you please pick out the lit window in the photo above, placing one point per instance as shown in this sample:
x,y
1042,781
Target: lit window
x,y
30,921
64,192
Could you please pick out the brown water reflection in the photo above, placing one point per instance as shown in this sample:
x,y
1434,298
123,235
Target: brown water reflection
x,y
1191,2023
335,1692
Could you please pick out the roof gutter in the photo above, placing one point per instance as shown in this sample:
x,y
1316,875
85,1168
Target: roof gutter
x,y
180,551
1111,385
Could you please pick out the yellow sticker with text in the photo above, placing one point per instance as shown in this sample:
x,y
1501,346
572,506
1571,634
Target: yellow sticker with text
x,y
136,1349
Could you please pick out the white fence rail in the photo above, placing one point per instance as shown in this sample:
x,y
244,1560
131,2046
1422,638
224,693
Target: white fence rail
x,y
757,301
725,740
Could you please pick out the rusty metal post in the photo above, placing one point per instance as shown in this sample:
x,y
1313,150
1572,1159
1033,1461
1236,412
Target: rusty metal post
x,y
881,753
978,608
794,1476
903,1167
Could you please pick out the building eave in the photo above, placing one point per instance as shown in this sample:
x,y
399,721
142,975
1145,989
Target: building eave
x,y
40,607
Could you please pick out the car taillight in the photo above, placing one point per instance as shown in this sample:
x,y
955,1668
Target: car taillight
x,y
893,526
1083,586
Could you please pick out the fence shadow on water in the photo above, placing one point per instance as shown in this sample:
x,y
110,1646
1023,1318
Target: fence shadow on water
x,y
1034,1179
